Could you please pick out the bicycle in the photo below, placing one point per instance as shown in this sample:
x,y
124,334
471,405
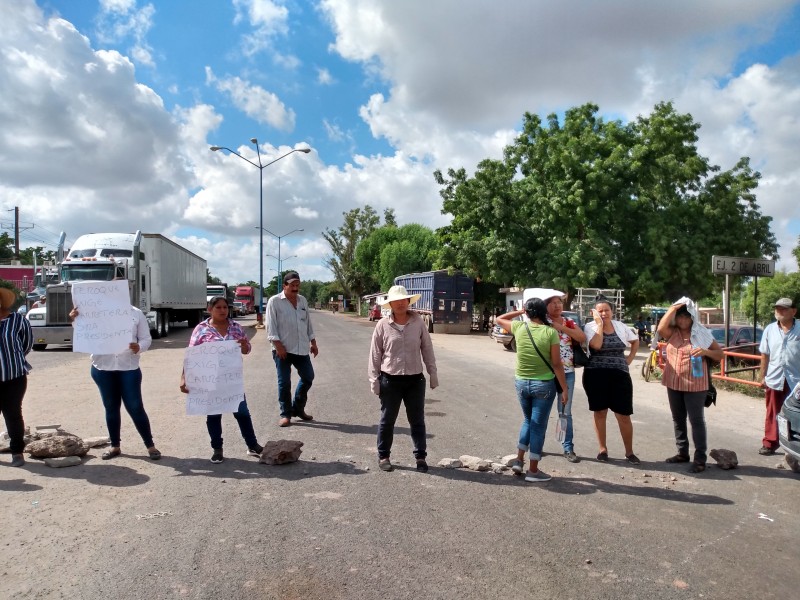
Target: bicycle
x,y
654,361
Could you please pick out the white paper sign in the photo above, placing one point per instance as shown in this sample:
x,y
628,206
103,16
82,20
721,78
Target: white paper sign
x,y
215,378
105,323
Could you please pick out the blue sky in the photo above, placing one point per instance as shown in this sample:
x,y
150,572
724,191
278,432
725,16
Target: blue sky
x,y
109,107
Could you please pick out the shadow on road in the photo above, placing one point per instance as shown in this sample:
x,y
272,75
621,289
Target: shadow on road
x,y
236,468
354,429
18,485
96,474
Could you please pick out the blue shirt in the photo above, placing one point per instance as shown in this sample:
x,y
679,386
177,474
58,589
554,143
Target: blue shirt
x,y
783,350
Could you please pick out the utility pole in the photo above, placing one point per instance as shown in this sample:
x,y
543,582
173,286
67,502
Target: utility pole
x,y
16,232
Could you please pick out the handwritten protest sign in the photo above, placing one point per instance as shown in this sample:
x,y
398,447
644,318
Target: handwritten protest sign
x,y
105,323
215,378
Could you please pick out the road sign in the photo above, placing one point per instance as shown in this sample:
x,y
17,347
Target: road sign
x,y
749,267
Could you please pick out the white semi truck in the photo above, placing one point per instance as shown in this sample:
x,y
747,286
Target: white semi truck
x,y
167,282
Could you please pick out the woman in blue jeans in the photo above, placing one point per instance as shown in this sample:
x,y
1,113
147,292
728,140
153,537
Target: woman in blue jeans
x,y
538,368
119,379
568,332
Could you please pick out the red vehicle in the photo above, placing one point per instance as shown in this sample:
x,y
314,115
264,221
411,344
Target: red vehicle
x,y
247,296
20,275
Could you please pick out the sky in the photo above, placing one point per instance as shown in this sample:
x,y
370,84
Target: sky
x,y
108,108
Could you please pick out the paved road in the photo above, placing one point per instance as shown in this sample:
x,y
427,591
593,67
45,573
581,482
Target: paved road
x,y
334,526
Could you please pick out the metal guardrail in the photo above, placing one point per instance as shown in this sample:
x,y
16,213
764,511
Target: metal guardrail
x,y
734,352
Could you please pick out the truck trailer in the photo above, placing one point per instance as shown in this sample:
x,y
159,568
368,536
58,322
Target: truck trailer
x,y
445,299
167,281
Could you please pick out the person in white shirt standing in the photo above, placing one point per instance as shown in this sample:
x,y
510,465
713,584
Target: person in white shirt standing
x,y
119,379
292,336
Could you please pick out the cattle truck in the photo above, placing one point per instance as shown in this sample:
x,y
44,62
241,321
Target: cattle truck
x,y
166,281
445,302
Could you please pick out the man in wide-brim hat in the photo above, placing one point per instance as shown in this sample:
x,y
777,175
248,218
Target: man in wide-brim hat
x,y
400,345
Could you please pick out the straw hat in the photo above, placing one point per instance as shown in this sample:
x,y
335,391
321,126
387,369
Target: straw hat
x,y
398,292
7,298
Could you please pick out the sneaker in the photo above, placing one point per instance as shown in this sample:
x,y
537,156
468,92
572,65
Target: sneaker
x,y
17,460
385,464
422,466
572,457
765,451
517,466
537,477
217,456
254,450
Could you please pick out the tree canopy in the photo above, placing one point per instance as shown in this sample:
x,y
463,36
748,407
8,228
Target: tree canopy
x,y
358,224
390,251
595,203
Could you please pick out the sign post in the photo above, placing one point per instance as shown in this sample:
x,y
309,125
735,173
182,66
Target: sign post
x,y
746,267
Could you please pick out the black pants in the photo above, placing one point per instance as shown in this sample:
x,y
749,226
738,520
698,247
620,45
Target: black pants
x,y
691,404
11,394
397,389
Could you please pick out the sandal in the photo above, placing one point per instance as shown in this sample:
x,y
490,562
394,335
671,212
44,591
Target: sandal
x,y
678,458
109,454
697,468
603,457
154,454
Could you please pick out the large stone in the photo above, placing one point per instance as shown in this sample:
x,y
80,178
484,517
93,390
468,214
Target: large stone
x,y
281,452
475,463
5,441
726,459
56,446
97,441
450,463
67,461
499,467
508,459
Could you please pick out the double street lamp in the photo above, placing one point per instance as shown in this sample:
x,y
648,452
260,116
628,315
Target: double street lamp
x,y
279,238
261,166
280,262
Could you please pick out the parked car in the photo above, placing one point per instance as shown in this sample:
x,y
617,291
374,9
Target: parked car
x,y
789,429
501,336
240,308
375,312
37,316
739,335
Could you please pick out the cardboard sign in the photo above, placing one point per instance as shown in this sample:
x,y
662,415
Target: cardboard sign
x,y
104,324
214,374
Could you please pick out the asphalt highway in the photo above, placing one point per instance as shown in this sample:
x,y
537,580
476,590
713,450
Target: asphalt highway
x,y
334,526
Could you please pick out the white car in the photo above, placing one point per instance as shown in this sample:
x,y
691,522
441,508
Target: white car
x,y
37,316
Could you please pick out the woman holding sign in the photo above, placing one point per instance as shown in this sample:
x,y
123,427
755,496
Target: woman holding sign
x,y
219,327
119,379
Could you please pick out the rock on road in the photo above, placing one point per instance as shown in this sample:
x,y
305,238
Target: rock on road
x,y
334,526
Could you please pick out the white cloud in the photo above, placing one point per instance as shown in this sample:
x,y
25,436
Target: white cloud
x,y
324,77
120,20
301,212
256,102
268,19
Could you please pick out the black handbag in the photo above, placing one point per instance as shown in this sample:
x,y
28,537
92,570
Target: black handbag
x,y
711,393
579,356
559,389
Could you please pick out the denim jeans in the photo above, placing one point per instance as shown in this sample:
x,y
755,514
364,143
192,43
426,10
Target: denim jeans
x,y
123,387
691,404
536,399
397,389
242,416
566,411
301,362
11,394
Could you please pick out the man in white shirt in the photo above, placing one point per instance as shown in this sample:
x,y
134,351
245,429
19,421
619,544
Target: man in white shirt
x,y
292,336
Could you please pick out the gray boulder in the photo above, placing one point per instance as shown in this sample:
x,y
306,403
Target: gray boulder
x,y
281,452
475,463
67,461
56,446
450,463
726,459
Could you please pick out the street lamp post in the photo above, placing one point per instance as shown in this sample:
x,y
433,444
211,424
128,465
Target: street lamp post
x,y
279,237
260,166
281,261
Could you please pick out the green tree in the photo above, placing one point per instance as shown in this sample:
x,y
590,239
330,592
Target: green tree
x,y
390,251
212,279
358,224
6,246
595,203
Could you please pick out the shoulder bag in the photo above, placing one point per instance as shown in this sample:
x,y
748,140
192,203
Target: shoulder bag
x,y
711,394
559,389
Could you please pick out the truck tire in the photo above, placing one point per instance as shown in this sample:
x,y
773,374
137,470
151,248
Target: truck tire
x,y
39,347
156,333
164,324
